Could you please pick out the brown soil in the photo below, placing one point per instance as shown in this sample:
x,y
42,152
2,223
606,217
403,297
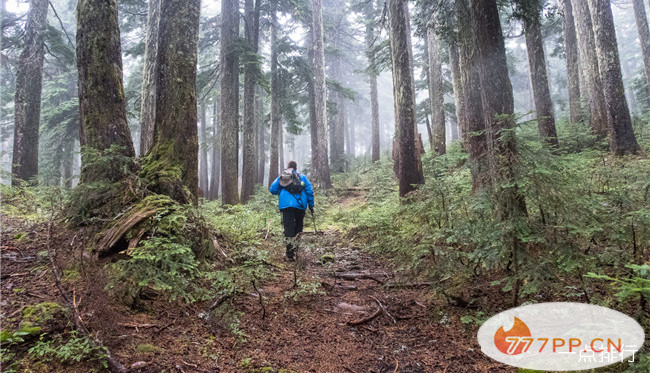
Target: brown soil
x,y
420,332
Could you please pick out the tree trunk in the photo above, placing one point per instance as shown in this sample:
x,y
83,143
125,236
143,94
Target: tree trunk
x,y
102,106
215,178
175,148
320,166
644,39
572,62
372,76
27,103
261,134
68,163
436,93
281,162
456,81
230,102
252,12
337,126
148,101
589,65
475,131
349,127
274,152
409,170
203,154
539,79
498,106
621,134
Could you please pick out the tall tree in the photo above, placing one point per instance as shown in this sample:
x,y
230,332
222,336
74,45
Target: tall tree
x,y
589,65
215,174
621,133
230,102
275,102
436,92
409,170
203,151
102,107
261,134
369,12
320,166
498,108
337,130
251,23
572,62
644,39
27,103
148,100
176,144
456,82
474,123
532,20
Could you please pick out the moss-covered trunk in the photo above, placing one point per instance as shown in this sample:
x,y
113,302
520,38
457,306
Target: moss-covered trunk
x,y
148,99
102,105
436,93
275,102
170,168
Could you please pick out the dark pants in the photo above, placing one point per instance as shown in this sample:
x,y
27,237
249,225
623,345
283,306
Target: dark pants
x,y
292,219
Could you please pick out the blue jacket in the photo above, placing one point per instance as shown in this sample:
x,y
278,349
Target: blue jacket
x,y
299,201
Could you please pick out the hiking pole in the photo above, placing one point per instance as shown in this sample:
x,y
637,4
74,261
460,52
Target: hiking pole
x,y
314,220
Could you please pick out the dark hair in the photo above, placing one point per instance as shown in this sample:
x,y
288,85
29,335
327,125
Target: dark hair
x,y
293,164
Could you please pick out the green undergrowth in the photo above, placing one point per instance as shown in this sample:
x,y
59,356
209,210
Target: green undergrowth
x,y
588,212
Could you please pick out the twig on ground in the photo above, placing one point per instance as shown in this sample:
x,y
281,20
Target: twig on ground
x,y
220,300
260,297
367,319
384,310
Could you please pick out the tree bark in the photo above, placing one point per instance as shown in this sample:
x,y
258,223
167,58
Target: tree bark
x,y
203,153
498,107
456,81
372,76
251,21
475,131
230,102
274,152
644,39
175,148
215,177
436,93
320,166
621,134
337,126
572,62
261,134
148,99
27,102
102,106
539,78
589,64
409,170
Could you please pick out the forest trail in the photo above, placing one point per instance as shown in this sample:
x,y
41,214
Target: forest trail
x,y
301,328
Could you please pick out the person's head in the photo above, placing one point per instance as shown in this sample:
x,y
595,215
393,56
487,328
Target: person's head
x,y
293,164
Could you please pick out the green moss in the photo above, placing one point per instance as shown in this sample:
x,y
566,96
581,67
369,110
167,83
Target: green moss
x,y
20,236
41,313
148,348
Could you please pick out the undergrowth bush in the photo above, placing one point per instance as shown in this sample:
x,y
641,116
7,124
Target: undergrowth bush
x,y
587,212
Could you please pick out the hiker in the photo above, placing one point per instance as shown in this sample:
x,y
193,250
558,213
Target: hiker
x,y
296,195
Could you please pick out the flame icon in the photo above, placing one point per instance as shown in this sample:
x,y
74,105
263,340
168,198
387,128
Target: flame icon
x,y
509,342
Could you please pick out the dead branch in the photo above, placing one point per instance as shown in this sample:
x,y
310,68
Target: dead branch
x,y
137,326
123,225
220,300
260,297
384,310
366,319
352,276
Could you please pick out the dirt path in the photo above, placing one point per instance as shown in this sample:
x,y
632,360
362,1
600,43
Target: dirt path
x,y
300,326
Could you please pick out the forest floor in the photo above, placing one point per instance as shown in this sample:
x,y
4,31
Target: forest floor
x,y
302,323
